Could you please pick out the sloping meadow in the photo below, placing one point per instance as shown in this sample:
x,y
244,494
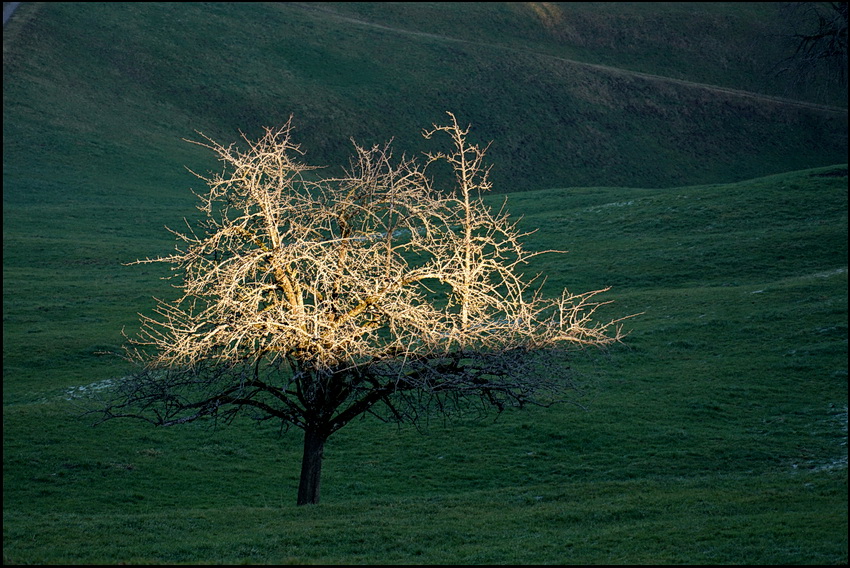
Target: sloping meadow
x,y
642,95
716,434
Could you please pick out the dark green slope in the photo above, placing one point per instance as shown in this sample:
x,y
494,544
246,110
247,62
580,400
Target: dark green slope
x,y
570,95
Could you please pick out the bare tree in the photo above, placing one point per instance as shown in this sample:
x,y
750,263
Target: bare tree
x,y
817,34
314,300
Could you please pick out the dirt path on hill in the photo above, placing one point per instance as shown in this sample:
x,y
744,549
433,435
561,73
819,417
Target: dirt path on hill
x,y
604,68
9,8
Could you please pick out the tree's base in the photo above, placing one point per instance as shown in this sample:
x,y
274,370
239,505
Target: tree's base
x,y
309,487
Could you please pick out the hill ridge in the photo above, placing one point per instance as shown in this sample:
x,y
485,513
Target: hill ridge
x,y
597,66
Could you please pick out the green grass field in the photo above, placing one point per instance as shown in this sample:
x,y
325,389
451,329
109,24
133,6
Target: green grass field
x,y
106,93
716,434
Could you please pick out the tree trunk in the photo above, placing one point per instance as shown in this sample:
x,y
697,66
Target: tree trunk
x,y
311,467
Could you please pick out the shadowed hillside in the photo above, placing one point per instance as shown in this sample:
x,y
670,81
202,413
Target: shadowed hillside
x,y
634,135
641,94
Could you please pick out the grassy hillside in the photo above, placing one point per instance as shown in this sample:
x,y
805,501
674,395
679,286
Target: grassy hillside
x,y
571,94
716,435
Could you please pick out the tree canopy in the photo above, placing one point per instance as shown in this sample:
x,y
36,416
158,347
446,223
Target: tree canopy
x,y
313,300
